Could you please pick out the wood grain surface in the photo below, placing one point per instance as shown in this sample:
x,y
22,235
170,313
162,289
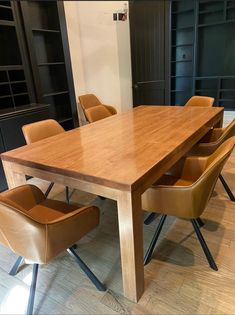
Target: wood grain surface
x,y
123,151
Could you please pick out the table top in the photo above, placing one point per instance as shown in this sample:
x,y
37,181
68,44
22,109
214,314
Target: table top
x,y
123,150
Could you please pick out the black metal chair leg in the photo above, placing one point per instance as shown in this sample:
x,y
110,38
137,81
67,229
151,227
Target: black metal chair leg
x,y
67,193
87,271
32,290
149,252
200,222
16,266
150,218
49,189
204,246
226,187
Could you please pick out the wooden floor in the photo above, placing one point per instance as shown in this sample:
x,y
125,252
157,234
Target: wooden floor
x,y
177,281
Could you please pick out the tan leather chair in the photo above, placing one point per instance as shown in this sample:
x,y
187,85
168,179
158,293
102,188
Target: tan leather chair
x,y
89,101
185,191
200,101
208,144
97,113
38,229
41,130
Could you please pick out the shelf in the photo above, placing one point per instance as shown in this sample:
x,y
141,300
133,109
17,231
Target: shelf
x,y
182,76
19,94
216,77
45,30
182,28
20,81
182,45
51,63
206,90
3,83
5,6
174,91
5,96
55,93
227,90
183,11
7,23
174,61
230,7
62,120
226,100
22,109
217,23
211,11
11,67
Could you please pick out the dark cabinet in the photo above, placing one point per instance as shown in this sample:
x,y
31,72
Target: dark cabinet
x,y
11,135
35,69
46,35
202,50
188,45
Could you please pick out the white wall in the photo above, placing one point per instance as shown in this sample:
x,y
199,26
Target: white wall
x,y
100,51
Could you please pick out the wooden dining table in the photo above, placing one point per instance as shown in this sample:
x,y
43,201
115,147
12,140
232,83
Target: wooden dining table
x,y
118,158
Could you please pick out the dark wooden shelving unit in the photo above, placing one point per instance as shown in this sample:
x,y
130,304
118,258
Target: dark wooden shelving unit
x,y
202,55
49,54
35,72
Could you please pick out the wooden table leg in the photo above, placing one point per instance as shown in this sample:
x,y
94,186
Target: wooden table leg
x,y
131,244
219,124
13,179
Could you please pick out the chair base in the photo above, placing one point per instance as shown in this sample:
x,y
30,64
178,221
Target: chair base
x,y
204,246
49,189
200,222
16,266
87,271
196,223
67,194
150,250
82,265
32,290
226,187
150,218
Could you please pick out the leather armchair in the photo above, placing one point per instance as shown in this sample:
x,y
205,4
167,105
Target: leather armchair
x,y
201,101
41,130
208,144
213,139
97,113
90,103
38,229
185,191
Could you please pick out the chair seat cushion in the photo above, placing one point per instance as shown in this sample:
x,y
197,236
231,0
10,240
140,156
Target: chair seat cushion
x,y
50,210
169,180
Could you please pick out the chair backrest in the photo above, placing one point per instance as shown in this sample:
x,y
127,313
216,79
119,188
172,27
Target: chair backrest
x,y
200,101
96,113
88,100
228,132
41,129
24,236
203,187
220,135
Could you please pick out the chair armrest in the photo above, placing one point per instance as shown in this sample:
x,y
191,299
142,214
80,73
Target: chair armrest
x,y
71,228
213,135
111,109
23,197
193,167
